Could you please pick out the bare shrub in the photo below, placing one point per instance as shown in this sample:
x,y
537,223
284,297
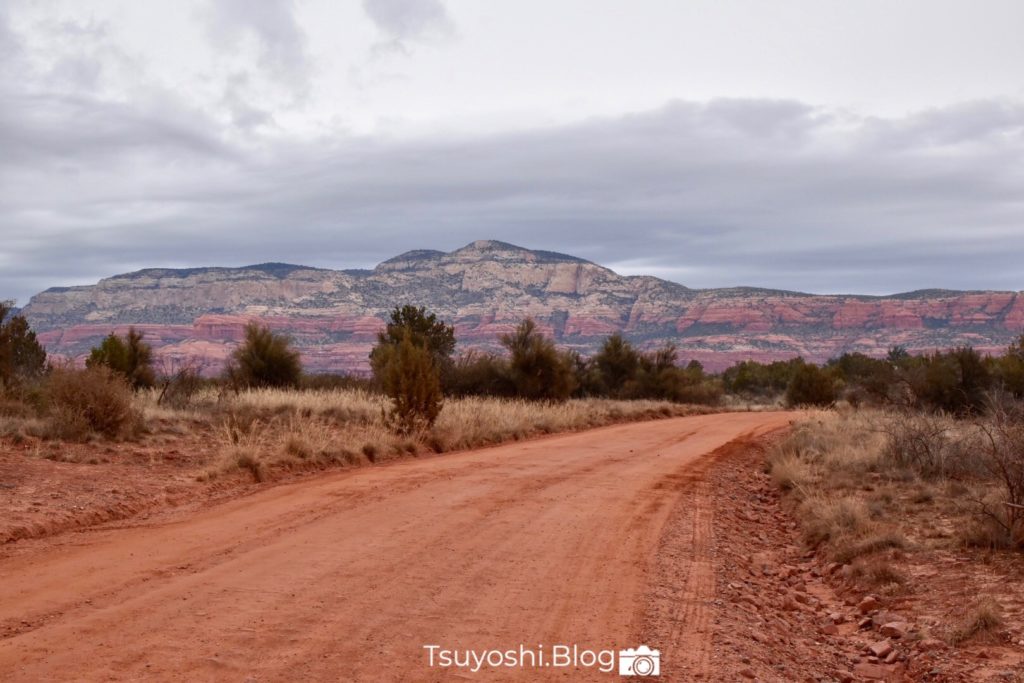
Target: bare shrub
x,y
180,382
10,407
919,442
1003,458
95,400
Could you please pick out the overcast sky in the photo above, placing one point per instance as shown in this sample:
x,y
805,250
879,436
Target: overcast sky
x,y
865,146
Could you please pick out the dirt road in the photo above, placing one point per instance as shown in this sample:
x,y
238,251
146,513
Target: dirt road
x,y
348,576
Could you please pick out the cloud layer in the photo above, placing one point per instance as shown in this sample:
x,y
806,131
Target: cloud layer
x,y
732,191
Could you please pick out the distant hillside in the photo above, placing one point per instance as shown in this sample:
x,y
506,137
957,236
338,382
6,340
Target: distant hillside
x,y
485,288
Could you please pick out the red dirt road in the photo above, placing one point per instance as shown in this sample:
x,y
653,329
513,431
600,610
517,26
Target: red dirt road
x,y
348,576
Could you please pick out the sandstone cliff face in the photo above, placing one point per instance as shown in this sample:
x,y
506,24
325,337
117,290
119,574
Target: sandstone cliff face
x,y
485,289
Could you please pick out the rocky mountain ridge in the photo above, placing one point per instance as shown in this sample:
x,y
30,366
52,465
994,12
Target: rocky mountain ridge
x,y
485,289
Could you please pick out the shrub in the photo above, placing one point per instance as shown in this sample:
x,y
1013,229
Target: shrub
x,y
22,358
92,400
1009,368
480,374
918,442
537,370
954,381
866,378
757,379
426,331
616,364
178,389
810,386
264,359
131,357
412,381
1003,458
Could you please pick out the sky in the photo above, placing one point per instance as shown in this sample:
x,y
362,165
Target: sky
x,y
832,146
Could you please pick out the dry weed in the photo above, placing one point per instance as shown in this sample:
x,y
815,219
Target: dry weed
x,y
274,428
981,622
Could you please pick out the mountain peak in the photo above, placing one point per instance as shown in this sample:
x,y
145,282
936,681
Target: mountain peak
x,y
490,245
497,249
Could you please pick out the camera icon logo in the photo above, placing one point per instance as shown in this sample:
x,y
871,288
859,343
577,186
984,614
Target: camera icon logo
x,y
643,661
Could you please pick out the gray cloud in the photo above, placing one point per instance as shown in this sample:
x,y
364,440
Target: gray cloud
x,y
756,192
282,49
407,21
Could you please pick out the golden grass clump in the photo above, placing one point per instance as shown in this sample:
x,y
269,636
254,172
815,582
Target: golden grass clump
x,y
264,429
981,622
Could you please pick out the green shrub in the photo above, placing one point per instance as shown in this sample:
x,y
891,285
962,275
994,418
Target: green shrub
x,y
94,400
477,373
1009,368
955,381
264,359
616,364
412,381
750,378
537,370
866,379
22,358
426,330
130,356
810,386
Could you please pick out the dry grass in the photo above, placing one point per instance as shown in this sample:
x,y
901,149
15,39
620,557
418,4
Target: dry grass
x,y
981,622
878,573
789,471
265,430
879,492
848,499
852,548
831,519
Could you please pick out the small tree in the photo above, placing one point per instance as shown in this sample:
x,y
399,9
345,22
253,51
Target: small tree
x,y
810,386
130,356
264,359
536,368
426,330
22,358
411,379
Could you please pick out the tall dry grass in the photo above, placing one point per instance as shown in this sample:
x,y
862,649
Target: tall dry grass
x,y
870,485
832,466
263,430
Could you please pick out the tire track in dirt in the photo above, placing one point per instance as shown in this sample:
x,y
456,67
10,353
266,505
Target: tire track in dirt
x,y
678,606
